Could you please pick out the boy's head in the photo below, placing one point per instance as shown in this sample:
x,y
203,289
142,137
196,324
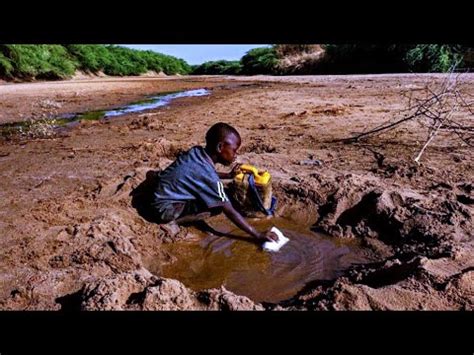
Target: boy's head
x,y
223,141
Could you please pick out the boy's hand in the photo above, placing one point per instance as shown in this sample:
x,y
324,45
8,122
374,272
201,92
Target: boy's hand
x,y
269,235
240,222
235,170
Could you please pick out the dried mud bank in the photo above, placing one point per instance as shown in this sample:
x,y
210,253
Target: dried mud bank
x,y
73,237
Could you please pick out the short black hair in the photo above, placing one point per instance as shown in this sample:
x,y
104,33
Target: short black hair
x,y
218,132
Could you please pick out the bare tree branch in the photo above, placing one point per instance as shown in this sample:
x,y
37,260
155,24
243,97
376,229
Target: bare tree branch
x,y
433,107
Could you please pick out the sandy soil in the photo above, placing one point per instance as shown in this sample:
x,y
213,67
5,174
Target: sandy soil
x,y
71,239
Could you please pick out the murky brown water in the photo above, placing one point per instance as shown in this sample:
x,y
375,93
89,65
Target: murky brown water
x,y
244,268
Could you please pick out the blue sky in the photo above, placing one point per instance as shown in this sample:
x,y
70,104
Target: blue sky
x,y
200,53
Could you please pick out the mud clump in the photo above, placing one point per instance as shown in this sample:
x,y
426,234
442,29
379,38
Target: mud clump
x,y
147,122
258,148
418,284
156,148
350,207
142,291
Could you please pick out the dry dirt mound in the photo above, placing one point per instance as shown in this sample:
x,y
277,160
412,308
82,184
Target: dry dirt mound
x,y
416,284
423,240
139,290
351,206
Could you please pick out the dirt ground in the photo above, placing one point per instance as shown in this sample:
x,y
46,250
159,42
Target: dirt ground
x,y
71,239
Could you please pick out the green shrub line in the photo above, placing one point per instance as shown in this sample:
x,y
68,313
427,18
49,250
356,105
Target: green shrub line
x,y
56,62
345,59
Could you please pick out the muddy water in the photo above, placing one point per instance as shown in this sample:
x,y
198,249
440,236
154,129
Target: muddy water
x,y
71,120
244,268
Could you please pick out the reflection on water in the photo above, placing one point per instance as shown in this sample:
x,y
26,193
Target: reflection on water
x,y
245,269
155,102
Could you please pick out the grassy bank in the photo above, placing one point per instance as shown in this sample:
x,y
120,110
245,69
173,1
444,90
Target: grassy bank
x,y
56,62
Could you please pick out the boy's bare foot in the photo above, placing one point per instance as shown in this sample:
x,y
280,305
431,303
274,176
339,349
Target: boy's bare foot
x,y
171,228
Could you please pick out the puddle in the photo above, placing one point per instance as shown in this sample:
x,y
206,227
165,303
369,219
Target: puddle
x,y
155,102
69,120
245,269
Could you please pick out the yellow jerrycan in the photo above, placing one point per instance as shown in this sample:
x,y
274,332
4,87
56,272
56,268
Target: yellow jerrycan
x,y
242,192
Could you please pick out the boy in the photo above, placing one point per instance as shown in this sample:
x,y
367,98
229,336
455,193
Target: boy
x,y
190,188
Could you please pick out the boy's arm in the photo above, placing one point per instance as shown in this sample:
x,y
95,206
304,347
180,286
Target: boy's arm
x,y
230,175
240,222
224,175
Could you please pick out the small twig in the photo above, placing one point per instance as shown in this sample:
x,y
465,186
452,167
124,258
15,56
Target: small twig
x,y
432,135
430,138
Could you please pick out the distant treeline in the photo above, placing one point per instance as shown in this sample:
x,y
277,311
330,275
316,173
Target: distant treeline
x,y
54,62
343,59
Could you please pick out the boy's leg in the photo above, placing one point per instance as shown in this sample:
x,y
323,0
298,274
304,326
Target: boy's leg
x,y
184,212
194,211
165,215
168,212
193,217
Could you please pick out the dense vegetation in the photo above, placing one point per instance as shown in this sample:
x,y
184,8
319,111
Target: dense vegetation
x,y
218,67
344,59
55,62
27,62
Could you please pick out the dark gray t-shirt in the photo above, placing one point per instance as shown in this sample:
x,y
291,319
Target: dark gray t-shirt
x,y
190,177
